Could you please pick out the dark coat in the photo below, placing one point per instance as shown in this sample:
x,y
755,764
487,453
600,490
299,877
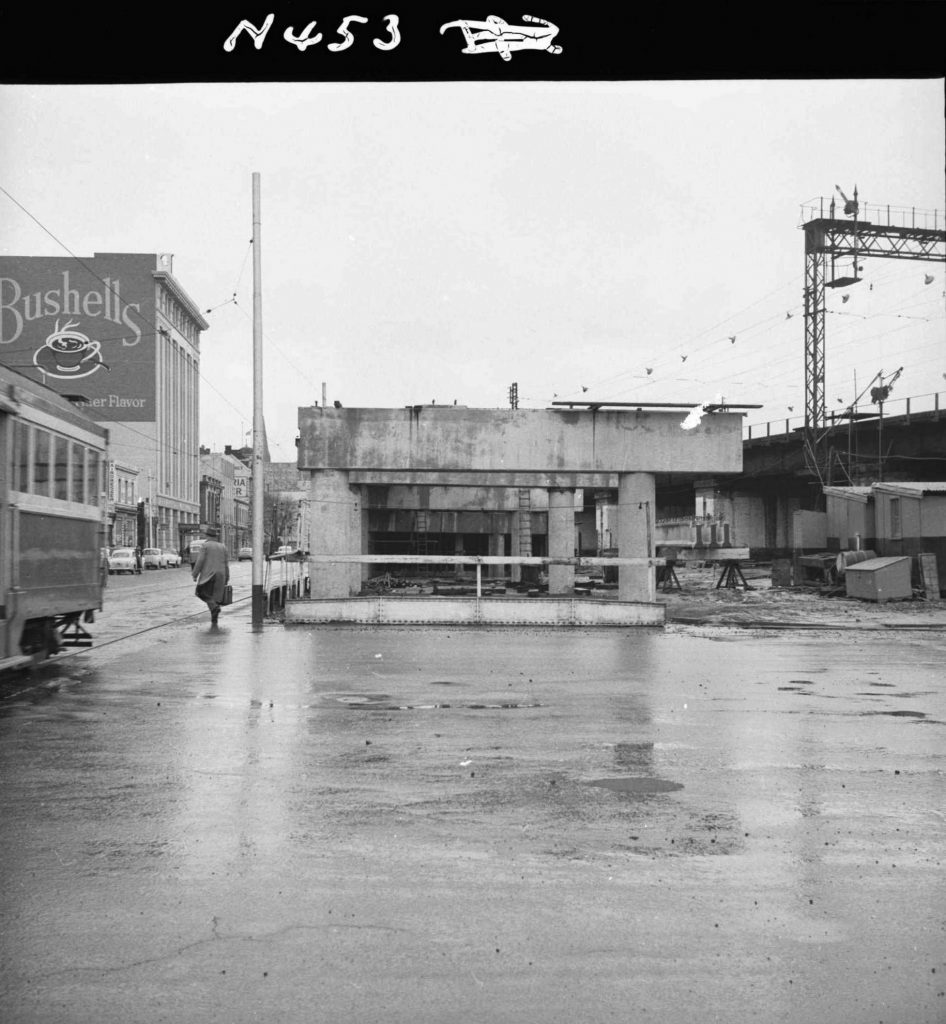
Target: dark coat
x,y
212,564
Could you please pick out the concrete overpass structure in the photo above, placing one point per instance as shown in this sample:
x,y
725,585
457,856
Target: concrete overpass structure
x,y
449,461
777,480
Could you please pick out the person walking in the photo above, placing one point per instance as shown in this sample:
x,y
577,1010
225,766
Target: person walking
x,y
211,572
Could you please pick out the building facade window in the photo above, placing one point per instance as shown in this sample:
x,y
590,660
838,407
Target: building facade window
x,y
22,463
60,468
41,472
78,473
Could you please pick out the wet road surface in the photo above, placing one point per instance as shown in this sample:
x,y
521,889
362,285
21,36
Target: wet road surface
x,y
448,825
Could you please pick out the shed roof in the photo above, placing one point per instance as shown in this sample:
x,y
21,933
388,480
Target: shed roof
x,y
912,489
873,564
861,494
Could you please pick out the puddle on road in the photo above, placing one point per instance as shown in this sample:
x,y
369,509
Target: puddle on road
x,y
385,702
897,714
637,785
634,755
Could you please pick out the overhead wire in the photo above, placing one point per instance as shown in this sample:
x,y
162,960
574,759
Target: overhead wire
x,y
696,337
655,374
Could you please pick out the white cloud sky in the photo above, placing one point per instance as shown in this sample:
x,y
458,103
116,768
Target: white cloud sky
x,y
438,241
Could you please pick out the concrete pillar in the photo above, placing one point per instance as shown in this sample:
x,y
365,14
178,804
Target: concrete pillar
x,y
635,515
336,530
605,513
362,524
561,539
497,545
522,533
458,550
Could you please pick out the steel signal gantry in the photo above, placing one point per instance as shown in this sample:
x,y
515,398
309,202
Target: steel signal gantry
x,y
900,233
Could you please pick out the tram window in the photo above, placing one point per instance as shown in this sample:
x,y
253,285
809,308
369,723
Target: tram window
x,y
78,473
41,463
93,482
60,468
21,457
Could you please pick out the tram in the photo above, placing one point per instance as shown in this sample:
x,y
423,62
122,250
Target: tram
x,y
53,460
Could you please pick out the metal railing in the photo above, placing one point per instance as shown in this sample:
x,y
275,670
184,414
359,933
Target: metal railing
x,y
480,560
905,407
284,579
883,215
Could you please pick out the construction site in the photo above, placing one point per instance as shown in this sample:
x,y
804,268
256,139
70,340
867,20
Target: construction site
x,y
559,516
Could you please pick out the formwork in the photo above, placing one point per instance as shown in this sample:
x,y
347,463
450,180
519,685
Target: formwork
x,y
474,611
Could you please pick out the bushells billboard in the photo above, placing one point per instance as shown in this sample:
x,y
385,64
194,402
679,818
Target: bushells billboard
x,y
83,327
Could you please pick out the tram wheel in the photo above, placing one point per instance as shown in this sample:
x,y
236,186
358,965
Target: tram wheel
x,y
40,639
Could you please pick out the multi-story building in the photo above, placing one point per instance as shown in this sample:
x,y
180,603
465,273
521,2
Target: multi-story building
x,y
123,500
286,508
118,334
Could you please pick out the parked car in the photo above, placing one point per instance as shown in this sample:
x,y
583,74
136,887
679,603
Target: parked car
x,y
286,549
244,553
153,558
122,560
171,558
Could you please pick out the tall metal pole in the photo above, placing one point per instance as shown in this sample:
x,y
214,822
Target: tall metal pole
x,y
150,509
258,468
814,346
880,443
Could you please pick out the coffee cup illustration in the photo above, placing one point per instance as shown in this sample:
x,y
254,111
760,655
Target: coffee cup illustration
x,y
70,352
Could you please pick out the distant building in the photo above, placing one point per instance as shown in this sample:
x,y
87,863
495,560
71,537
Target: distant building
x,y
286,507
118,334
223,504
123,500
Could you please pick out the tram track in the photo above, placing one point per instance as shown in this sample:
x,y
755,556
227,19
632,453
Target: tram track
x,y
141,603
133,607
147,629
65,657
151,602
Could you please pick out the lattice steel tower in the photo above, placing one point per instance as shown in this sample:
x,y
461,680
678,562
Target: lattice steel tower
x,y
834,248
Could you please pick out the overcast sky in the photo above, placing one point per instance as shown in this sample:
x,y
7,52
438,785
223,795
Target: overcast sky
x,y
438,241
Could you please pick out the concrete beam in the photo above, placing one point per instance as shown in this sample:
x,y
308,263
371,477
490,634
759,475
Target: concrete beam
x,y
459,440
689,553
482,479
455,498
472,611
